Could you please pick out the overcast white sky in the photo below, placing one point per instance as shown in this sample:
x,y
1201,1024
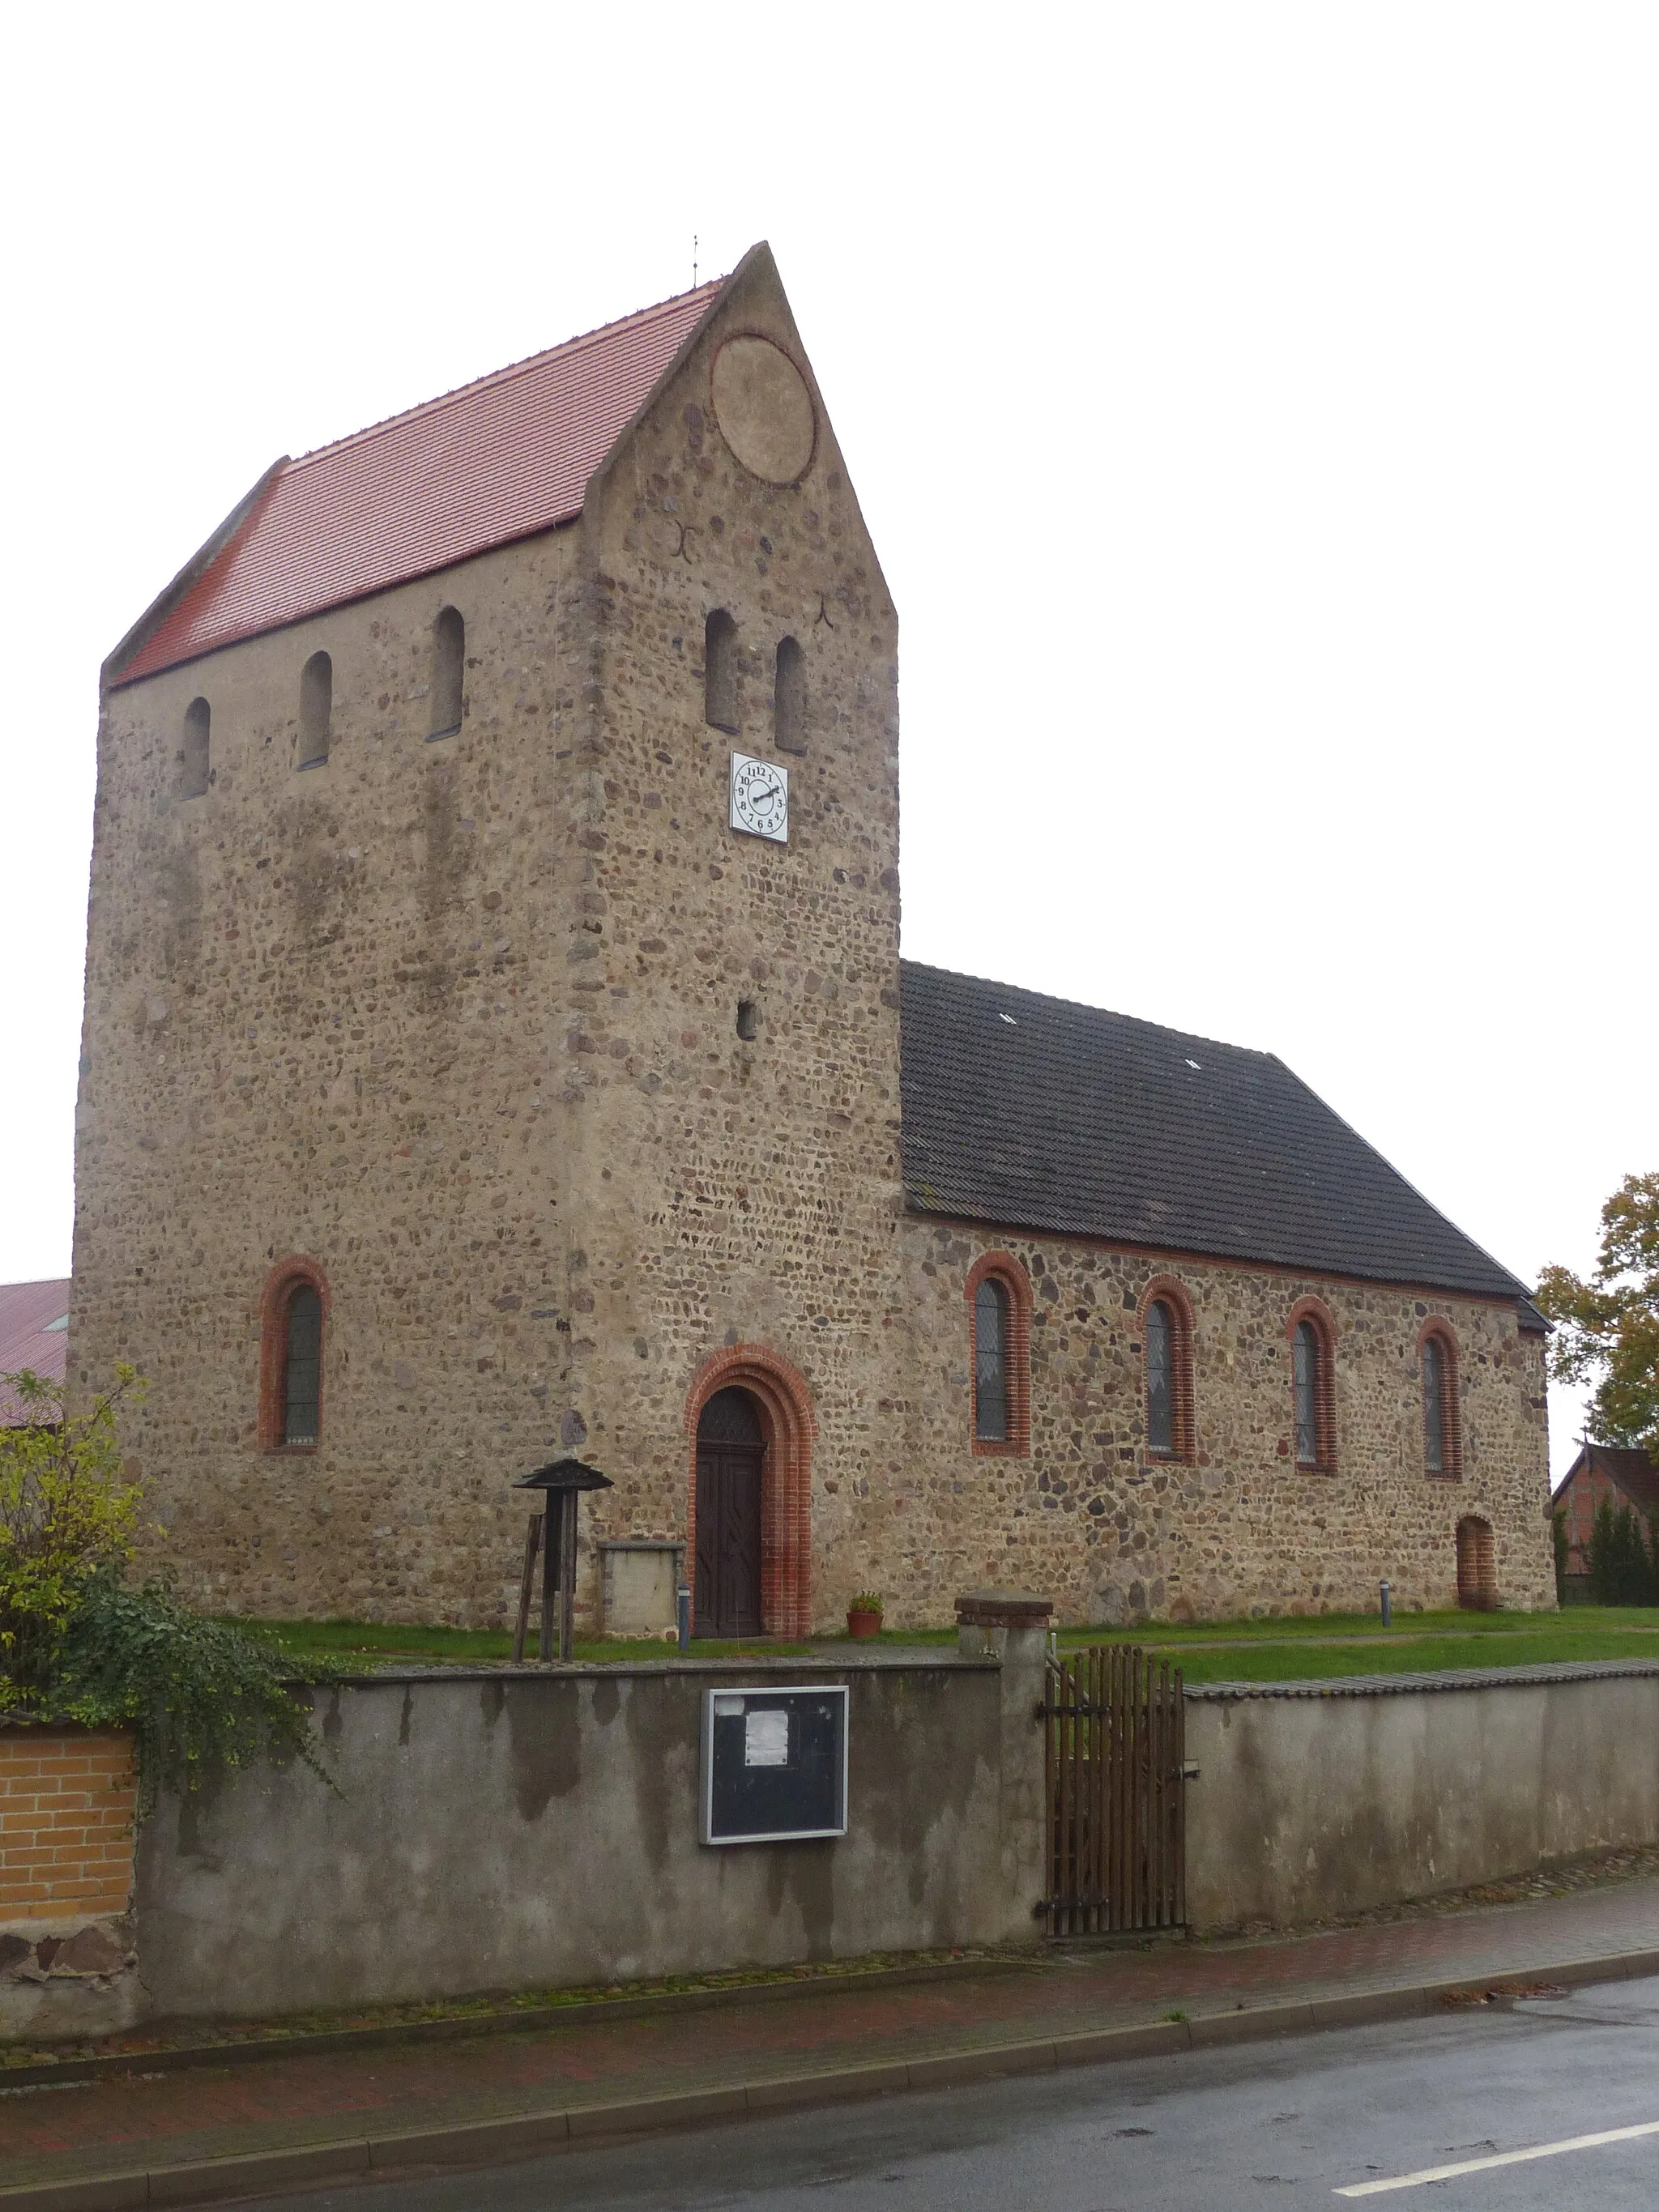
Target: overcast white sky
x,y
1256,409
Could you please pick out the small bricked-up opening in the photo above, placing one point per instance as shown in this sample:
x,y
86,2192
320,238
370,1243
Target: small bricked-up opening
x,y
1477,1565
448,672
719,672
1000,1305
746,1396
316,709
748,1020
1166,1324
789,697
1313,1385
194,754
294,1319
1443,1441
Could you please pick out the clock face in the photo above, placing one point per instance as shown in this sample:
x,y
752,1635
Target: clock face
x,y
760,798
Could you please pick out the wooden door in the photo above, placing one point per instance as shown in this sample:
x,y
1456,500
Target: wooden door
x,y
731,1461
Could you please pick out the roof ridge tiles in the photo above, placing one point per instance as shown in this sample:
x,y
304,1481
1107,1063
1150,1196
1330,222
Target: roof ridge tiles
x,y
502,376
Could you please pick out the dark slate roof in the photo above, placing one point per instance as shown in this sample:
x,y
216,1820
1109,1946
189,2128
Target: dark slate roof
x,y
1038,1113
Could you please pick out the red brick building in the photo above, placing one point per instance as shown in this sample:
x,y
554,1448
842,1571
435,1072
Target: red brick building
x,y
1616,1474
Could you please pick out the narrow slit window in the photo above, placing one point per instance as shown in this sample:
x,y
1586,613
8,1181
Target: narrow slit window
x,y
720,677
991,1362
194,757
302,1365
748,1020
1434,1404
789,697
1306,1353
316,709
1160,1377
448,672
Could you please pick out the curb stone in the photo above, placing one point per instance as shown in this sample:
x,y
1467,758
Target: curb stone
x,y
462,2027
482,2142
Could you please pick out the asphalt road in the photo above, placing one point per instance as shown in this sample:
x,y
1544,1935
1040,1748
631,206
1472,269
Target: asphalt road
x,y
1288,2123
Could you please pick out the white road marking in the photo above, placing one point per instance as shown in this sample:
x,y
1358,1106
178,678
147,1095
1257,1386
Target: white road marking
x,y
1503,2158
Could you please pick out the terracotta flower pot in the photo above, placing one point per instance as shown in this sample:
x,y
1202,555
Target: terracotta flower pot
x,y
862,1623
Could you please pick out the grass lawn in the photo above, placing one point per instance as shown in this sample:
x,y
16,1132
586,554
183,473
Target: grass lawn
x,y
1284,1649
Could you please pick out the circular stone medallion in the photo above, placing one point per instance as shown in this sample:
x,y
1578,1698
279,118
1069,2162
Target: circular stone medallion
x,y
763,408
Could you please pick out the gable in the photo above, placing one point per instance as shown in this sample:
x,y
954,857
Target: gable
x,y
500,459
1035,1113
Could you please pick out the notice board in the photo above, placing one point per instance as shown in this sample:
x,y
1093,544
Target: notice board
x,y
774,1764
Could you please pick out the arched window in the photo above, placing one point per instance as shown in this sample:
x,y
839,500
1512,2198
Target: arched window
x,y
789,698
1166,1322
448,672
193,758
1160,1377
1443,1451
302,1365
316,709
292,1326
1477,1565
1313,1385
991,1362
719,672
999,1311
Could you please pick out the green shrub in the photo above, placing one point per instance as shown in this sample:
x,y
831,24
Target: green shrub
x,y
1558,1537
1622,1567
77,1643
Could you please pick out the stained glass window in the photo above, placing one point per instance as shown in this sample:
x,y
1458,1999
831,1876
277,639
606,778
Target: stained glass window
x,y
991,1362
302,1366
1434,1404
1160,1377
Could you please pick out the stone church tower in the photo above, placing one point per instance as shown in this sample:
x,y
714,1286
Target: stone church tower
x,y
493,1050
466,1009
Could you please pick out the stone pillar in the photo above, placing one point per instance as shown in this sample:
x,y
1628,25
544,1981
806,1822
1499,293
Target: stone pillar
x,y
1011,1627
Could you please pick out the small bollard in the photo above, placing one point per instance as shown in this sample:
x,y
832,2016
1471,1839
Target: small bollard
x,y
682,1609
1387,1615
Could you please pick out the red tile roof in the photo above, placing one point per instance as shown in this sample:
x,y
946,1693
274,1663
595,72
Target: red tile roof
x,y
498,460
33,1334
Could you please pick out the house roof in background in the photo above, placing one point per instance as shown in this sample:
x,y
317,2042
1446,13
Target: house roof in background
x,y
33,1333
1628,1467
1042,1114
496,460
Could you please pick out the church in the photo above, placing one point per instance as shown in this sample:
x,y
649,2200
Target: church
x,y
497,1046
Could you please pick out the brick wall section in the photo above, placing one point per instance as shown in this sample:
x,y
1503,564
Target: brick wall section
x,y
67,1802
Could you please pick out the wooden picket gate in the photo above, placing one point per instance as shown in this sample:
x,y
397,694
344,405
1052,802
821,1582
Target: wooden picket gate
x,y
1115,1722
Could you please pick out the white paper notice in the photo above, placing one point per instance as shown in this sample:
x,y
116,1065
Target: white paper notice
x,y
766,1739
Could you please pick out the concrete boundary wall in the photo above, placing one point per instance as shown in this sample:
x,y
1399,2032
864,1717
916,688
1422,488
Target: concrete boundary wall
x,y
499,1830
1319,1798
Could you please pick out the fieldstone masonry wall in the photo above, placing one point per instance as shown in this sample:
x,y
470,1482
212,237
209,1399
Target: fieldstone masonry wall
x,y
455,1021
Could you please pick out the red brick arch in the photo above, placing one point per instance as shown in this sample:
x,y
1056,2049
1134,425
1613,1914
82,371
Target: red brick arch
x,y
789,1425
280,1283
1003,1267
1174,1293
1451,1407
1324,1323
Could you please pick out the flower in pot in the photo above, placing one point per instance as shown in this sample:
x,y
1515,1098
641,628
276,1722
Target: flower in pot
x,y
864,1615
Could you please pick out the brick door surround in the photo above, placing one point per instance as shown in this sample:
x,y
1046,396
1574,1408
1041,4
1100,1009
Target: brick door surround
x,y
785,1405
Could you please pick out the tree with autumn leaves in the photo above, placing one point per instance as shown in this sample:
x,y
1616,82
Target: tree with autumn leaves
x,y
1607,1327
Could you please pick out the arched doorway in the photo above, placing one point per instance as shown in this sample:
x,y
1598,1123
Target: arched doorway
x,y
1477,1568
730,1484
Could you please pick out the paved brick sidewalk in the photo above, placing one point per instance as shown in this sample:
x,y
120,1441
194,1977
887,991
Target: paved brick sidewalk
x,y
155,2120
